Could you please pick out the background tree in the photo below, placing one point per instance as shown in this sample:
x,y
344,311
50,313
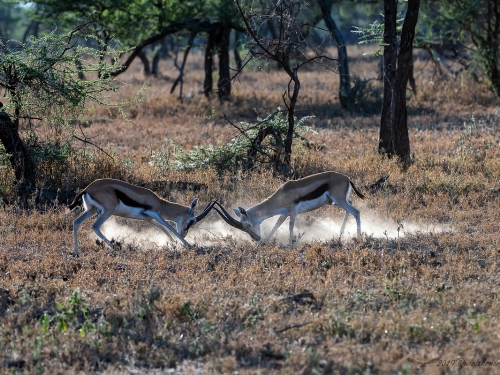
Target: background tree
x,y
289,49
41,84
345,81
223,18
398,63
11,17
134,24
471,27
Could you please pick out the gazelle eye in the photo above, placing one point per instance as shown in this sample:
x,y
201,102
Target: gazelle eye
x,y
190,223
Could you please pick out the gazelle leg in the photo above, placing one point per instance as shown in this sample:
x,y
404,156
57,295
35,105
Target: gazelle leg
x,y
343,224
79,221
280,221
103,216
159,219
350,209
290,227
158,225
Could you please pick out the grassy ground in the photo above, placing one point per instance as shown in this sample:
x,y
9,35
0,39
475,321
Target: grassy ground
x,y
421,284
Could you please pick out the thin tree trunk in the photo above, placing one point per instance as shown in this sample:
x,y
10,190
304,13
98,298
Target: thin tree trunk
x,y
224,83
145,62
345,84
159,54
411,78
401,141
390,60
291,117
180,78
209,82
237,57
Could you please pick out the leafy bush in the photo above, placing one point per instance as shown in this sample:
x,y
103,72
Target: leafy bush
x,y
259,143
364,97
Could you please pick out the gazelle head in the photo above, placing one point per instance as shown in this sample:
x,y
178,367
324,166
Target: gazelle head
x,y
187,221
247,223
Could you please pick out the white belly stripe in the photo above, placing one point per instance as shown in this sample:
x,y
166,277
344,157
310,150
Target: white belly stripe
x,y
127,211
313,204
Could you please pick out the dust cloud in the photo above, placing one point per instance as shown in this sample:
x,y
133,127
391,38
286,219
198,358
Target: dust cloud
x,y
308,228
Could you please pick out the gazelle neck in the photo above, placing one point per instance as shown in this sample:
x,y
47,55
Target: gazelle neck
x,y
170,209
263,210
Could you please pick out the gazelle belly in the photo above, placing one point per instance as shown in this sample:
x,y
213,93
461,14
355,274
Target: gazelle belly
x,y
313,204
128,211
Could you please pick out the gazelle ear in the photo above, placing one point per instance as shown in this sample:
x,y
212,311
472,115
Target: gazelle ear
x,y
193,205
240,212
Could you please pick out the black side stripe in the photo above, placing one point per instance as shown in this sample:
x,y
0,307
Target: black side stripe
x,y
315,194
127,201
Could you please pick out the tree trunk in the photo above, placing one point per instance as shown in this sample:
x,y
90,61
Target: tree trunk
x,y
145,62
160,53
495,78
390,54
237,57
401,141
224,83
20,157
209,82
411,78
180,78
291,117
345,84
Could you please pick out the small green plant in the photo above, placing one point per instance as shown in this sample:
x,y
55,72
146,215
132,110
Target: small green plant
x,y
253,319
392,290
340,327
475,319
442,288
211,116
70,313
187,311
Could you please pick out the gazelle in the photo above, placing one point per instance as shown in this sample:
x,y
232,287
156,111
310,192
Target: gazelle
x,y
296,197
108,197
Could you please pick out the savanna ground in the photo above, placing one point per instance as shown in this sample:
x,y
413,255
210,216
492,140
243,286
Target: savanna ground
x,y
421,284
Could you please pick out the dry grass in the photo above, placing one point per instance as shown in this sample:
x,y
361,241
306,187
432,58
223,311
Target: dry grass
x,y
421,284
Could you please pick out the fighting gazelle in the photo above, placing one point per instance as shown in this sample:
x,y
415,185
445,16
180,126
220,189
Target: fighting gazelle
x,y
296,197
108,197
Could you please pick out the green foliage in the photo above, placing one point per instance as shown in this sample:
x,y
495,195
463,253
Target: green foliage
x,y
4,157
188,312
133,22
71,313
41,77
44,91
374,33
237,152
365,96
471,27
